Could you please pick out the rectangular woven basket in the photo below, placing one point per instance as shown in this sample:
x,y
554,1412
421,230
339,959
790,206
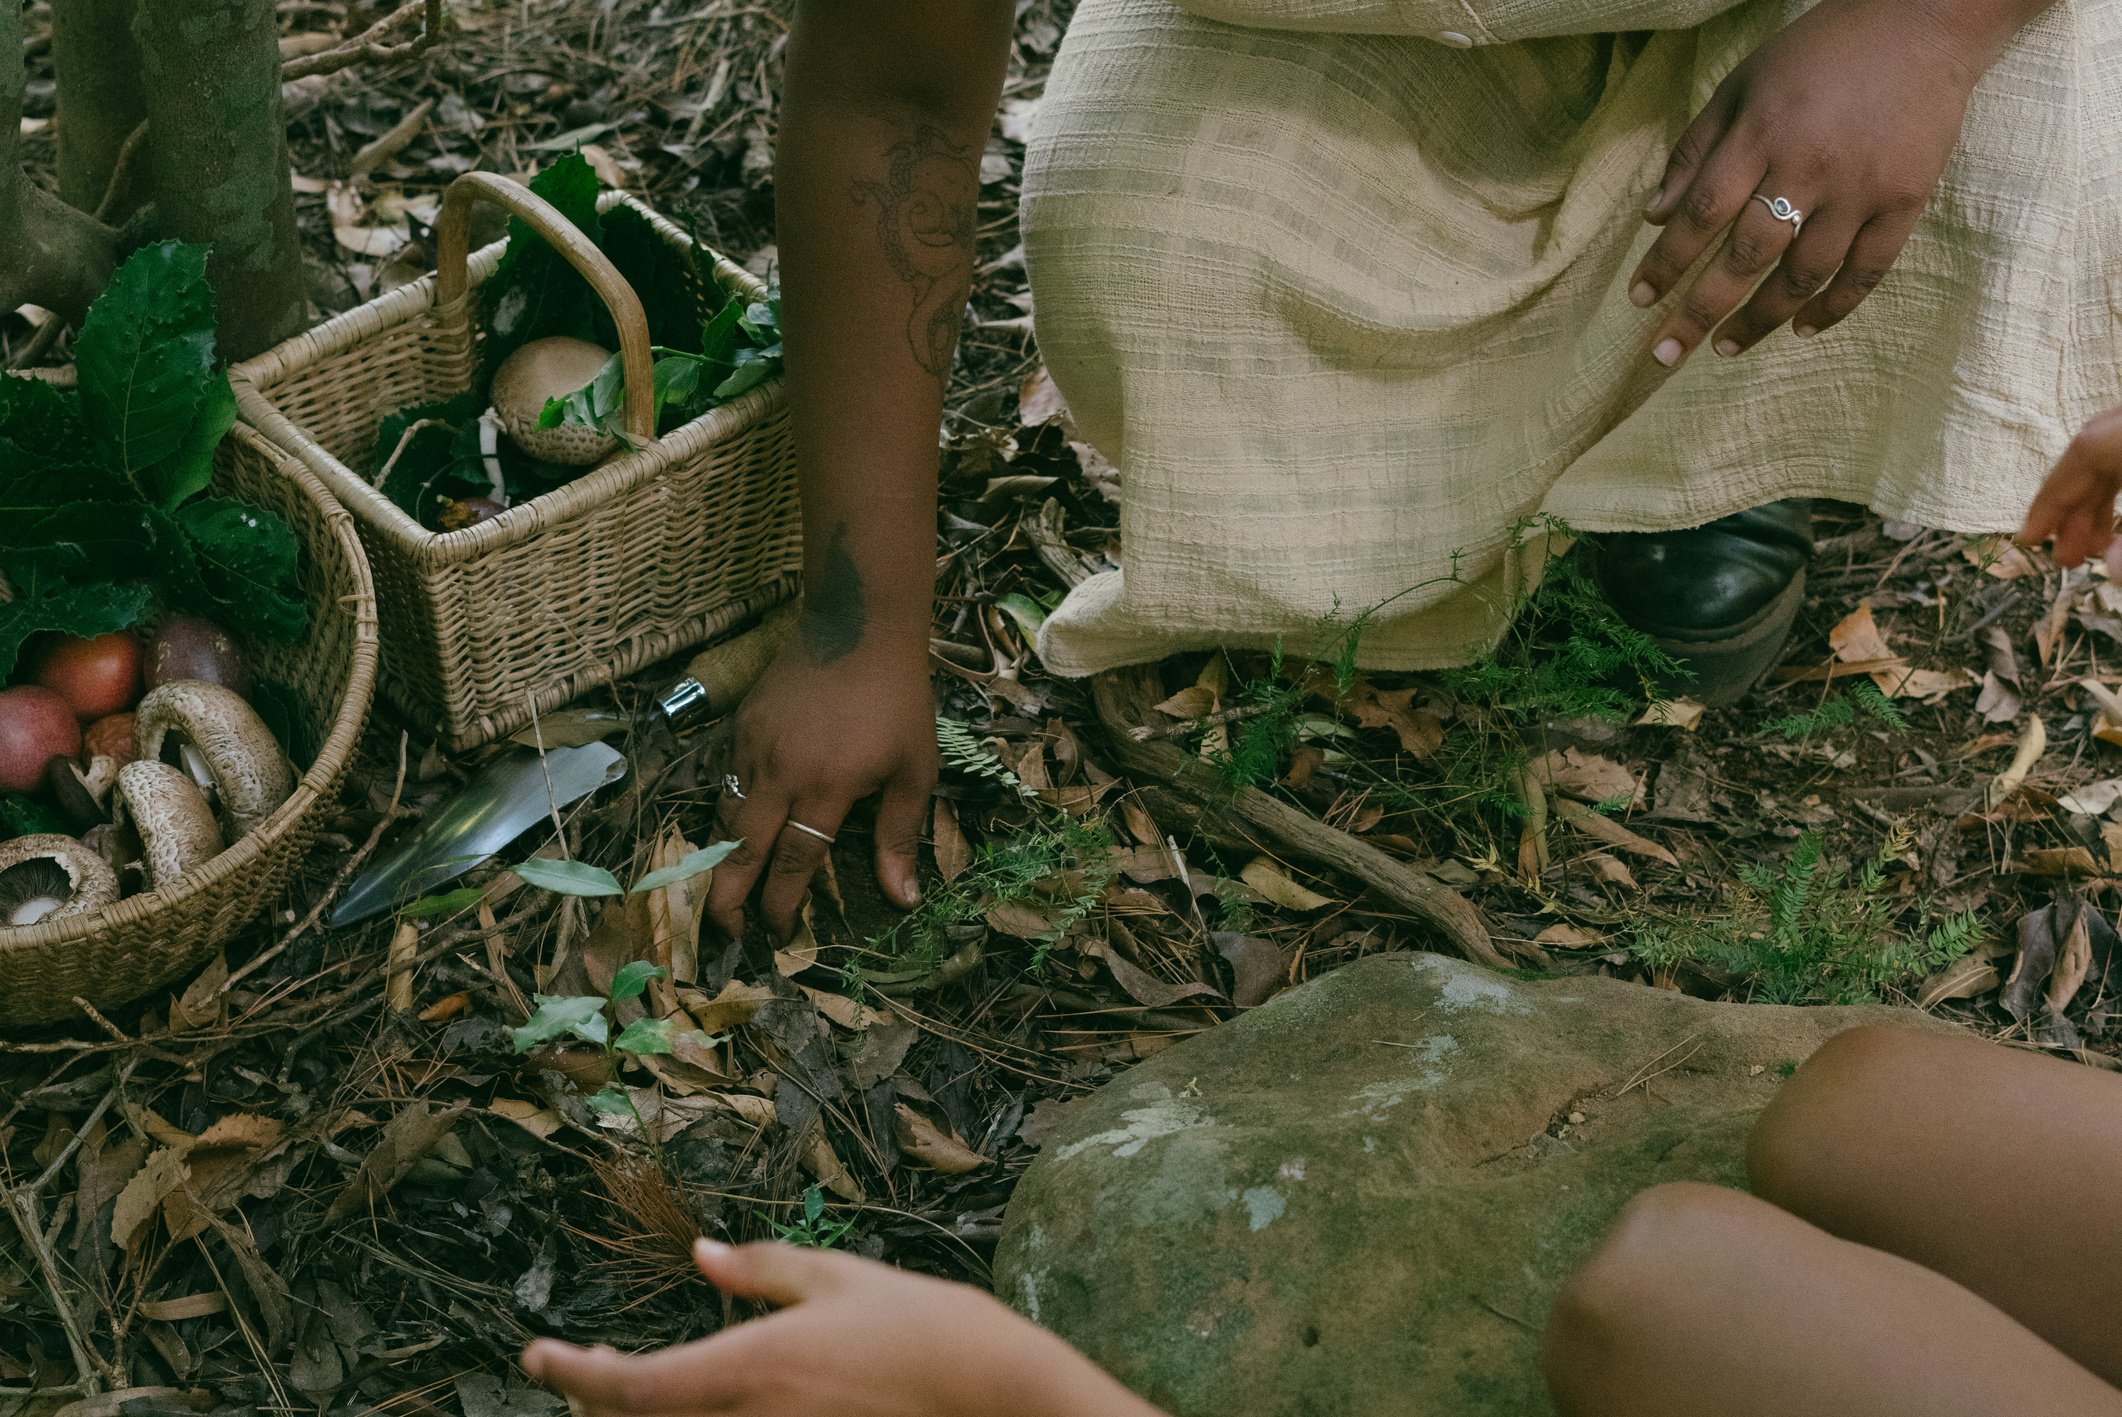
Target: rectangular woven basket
x,y
658,549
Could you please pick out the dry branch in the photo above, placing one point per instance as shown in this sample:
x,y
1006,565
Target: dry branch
x,y
374,45
1123,699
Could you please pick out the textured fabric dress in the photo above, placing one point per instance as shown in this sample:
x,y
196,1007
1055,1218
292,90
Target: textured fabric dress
x,y
1339,286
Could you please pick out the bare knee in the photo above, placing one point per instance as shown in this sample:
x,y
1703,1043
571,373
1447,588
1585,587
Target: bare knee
x,y
1866,1076
1632,1299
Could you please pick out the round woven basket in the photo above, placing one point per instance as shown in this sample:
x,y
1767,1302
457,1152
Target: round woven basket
x,y
117,955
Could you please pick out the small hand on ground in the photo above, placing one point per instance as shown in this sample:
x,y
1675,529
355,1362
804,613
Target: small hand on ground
x,y
852,1339
2076,505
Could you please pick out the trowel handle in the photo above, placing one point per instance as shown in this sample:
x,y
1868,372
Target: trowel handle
x,y
722,674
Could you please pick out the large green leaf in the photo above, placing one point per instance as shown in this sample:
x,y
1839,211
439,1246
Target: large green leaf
x,y
87,610
569,877
39,418
579,1014
83,543
154,401
534,292
633,978
247,559
32,487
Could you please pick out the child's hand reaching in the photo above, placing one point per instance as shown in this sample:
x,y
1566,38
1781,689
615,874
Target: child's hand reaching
x,y
853,1339
2076,505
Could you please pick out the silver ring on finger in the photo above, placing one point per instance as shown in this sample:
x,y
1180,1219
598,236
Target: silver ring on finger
x,y
809,830
731,787
1781,209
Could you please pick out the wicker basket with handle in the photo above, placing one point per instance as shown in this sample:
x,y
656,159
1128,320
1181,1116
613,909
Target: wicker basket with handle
x,y
657,549
121,953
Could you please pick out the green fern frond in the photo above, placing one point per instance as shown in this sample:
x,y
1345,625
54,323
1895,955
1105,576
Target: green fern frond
x,y
964,752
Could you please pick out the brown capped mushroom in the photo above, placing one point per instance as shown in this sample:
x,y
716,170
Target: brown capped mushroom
x,y
550,369
51,877
222,742
71,791
175,822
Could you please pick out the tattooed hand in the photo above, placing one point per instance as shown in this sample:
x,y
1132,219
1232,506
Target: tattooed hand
x,y
843,712
926,224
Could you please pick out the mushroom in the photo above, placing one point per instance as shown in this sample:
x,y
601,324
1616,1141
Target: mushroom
x,y
75,795
51,877
221,742
175,822
548,369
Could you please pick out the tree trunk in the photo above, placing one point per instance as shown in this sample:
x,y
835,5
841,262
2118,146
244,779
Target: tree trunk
x,y
100,103
218,150
54,256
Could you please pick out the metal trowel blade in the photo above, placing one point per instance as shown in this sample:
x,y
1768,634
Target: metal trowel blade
x,y
510,795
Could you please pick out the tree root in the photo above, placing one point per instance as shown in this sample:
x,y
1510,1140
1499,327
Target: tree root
x,y
1123,699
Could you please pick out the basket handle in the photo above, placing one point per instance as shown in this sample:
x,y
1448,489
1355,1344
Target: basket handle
x,y
452,276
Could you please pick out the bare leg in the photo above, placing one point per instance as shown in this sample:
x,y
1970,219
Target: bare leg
x,y
1705,1301
1998,1169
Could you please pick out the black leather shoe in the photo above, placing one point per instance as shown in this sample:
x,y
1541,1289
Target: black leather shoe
x,y
1719,598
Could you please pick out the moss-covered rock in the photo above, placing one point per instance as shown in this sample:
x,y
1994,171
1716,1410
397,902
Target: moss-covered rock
x,y
1362,1197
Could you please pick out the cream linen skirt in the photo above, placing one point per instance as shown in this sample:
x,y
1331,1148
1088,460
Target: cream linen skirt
x,y
1339,287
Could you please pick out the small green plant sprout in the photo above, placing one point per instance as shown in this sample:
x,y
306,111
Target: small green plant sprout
x,y
588,1017
1864,697
965,753
1809,933
582,879
813,1231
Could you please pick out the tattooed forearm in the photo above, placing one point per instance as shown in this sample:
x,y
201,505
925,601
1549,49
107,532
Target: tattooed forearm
x,y
834,612
926,223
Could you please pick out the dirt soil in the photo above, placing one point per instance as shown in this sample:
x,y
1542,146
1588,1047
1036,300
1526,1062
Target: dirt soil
x,y
322,1177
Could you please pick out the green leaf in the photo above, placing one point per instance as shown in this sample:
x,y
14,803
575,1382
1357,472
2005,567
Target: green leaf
x,y
633,978
706,859
610,1100
153,399
446,904
1024,610
86,611
20,816
664,275
534,292
247,559
32,487
646,1035
89,542
570,877
594,405
39,416
579,1014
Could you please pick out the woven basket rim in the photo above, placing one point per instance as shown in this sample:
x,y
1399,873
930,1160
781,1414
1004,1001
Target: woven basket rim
x,y
520,523
332,757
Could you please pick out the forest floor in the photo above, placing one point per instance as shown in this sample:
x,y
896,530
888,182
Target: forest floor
x,y
294,1195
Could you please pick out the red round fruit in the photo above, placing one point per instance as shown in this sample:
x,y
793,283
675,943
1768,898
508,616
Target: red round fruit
x,y
36,725
187,647
99,676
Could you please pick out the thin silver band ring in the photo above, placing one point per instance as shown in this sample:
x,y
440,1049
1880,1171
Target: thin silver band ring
x,y
808,831
1781,209
731,787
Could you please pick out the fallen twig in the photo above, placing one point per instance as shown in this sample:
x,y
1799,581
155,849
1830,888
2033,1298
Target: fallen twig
x,y
371,45
1122,696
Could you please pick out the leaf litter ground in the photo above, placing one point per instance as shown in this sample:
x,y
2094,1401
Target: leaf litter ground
x,y
325,1179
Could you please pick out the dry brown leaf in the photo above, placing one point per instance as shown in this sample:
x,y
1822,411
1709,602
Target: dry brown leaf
x,y
1569,937
1683,714
1967,977
821,1161
1857,640
406,1138
1019,920
1611,870
2074,961
1606,829
141,1200
931,1146
1420,732
540,1122
1257,967
846,1012
1039,400
734,1006
189,1306
1589,777
1999,556
801,951
1148,990
954,854
2048,630
1191,702
201,1005
2059,861
1278,889
674,922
